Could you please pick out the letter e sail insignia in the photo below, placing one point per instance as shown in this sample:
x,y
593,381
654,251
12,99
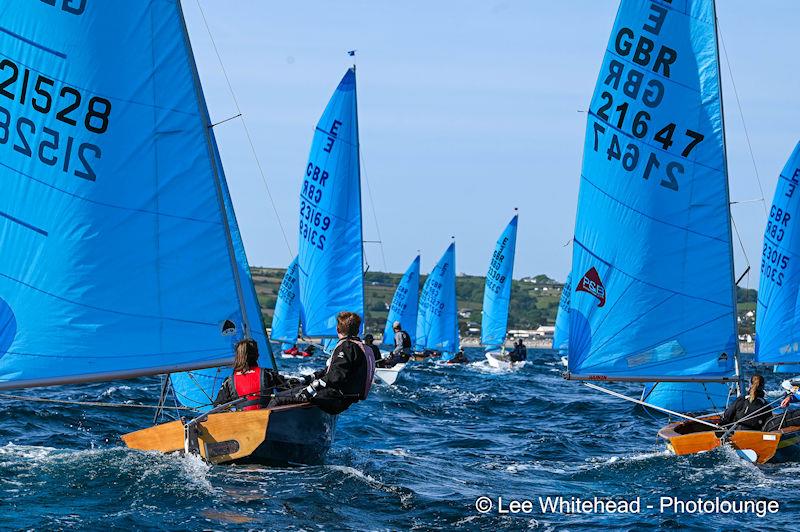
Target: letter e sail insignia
x,y
592,284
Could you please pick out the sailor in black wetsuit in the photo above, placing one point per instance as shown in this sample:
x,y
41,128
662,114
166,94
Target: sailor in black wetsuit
x,y
371,347
519,353
402,348
752,406
347,378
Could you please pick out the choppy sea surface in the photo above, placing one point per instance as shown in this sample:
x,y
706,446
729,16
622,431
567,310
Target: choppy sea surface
x,y
416,455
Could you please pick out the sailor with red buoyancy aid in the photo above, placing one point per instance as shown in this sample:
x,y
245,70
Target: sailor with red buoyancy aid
x,y
251,381
346,379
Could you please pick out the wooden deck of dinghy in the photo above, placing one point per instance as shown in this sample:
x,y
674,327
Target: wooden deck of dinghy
x,y
689,437
223,437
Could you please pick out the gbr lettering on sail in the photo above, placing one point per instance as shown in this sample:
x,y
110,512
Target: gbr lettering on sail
x,y
631,126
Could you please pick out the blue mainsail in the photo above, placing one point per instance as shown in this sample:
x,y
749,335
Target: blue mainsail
x,y
778,313
120,250
404,305
330,257
497,291
561,334
687,396
437,322
652,262
286,320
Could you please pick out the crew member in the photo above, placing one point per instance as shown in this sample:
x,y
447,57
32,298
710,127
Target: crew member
x,y
402,348
249,380
371,347
752,406
519,353
347,378
459,358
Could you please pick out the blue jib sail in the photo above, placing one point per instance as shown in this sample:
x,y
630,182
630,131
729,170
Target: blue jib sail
x,y
497,291
120,251
330,256
561,333
652,264
286,320
404,305
778,313
437,322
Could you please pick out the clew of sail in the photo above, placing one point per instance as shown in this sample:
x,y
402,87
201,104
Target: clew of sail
x,y
120,251
778,312
330,258
652,261
437,321
404,305
497,291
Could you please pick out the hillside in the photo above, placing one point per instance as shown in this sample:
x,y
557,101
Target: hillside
x,y
533,302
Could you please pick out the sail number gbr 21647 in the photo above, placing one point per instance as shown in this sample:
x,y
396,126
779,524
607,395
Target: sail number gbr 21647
x,y
629,154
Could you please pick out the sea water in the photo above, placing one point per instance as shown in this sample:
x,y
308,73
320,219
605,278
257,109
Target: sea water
x,y
426,453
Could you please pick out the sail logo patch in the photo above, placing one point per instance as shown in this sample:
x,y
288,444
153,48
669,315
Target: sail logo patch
x,y
591,284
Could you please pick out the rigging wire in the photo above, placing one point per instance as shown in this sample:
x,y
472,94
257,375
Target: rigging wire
x,y
89,403
741,116
374,212
246,130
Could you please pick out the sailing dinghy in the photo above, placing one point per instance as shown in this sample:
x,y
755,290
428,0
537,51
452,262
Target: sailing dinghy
x,y
497,298
437,321
777,335
405,304
117,229
653,297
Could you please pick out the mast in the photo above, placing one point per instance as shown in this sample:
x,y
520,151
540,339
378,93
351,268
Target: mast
x,y
212,150
739,376
360,204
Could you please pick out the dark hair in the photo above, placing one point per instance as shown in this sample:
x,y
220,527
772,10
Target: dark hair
x,y
246,356
348,323
368,338
756,390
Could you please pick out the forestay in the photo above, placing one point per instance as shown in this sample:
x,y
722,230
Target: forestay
x,y
561,333
497,291
120,252
437,322
652,263
330,257
404,305
778,315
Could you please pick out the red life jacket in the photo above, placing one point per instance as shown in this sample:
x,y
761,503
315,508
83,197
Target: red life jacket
x,y
248,385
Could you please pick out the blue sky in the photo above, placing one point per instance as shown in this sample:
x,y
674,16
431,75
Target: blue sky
x,y
467,109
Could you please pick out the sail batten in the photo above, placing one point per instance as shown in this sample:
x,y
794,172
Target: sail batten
x,y
652,295
497,290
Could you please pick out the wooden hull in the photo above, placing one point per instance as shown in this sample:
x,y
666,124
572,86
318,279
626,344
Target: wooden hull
x,y
690,437
294,434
